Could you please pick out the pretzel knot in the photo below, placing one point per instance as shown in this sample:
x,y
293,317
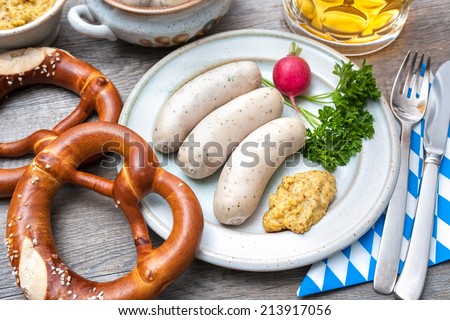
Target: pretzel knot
x,y
39,270
24,67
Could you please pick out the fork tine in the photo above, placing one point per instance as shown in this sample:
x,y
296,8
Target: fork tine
x,y
425,88
415,83
397,86
407,81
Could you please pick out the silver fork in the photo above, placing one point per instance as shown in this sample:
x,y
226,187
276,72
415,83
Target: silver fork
x,y
408,103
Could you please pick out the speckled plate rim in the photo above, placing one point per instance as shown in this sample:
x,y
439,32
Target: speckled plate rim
x,y
367,191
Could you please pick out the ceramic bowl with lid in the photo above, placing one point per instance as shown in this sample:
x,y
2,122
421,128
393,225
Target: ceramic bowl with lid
x,y
161,26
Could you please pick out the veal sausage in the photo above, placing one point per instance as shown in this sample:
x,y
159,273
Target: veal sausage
x,y
198,98
211,142
252,164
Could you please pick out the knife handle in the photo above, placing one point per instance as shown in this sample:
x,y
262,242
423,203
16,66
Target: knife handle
x,y
386,269
412,278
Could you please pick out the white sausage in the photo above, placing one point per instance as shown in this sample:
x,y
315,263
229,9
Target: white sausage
x,y
211,142
198,98
252,164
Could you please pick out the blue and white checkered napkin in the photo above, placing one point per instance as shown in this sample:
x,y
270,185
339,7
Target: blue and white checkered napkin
x,y
356,264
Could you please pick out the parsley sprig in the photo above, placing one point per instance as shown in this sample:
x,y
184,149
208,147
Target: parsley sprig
x,y
345,126
338,132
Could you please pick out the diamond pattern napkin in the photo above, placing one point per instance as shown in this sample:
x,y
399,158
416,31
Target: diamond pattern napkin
x,y
356,264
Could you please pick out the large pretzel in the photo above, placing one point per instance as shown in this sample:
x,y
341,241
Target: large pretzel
x,y
39,270
24,67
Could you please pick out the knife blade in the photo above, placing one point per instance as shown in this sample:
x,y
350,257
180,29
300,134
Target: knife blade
x,y
412,278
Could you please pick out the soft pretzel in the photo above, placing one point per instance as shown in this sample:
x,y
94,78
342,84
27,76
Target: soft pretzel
x,y
40,271
24,67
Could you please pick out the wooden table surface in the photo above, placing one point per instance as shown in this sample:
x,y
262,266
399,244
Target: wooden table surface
x,y
95,240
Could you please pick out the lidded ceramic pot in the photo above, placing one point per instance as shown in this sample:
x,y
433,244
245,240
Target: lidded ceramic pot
x,y
157,26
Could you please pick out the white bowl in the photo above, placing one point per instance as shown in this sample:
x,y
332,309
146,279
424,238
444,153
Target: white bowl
x,y
147,26
40,32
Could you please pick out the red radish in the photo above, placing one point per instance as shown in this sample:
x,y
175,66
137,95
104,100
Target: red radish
x,y
292,74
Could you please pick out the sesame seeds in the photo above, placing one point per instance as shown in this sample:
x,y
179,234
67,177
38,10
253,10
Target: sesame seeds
x,y
44,70
6,243
35,242
12,255
64,277
99,296
13,79
49,70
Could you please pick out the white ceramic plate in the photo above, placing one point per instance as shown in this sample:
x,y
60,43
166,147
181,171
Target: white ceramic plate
x,y
364,185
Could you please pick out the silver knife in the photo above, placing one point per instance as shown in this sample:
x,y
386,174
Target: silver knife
x,y
412,278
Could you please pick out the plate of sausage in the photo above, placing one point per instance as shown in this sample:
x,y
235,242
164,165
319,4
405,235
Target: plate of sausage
x,y
363,186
